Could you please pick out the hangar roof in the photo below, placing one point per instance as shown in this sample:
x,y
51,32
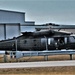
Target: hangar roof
x,y
12,11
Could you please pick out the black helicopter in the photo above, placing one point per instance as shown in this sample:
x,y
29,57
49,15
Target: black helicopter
x,y
39,41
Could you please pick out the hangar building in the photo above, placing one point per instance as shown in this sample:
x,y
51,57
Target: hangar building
x,y
10,23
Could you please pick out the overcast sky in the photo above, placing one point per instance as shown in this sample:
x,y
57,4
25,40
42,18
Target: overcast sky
x,y
43,11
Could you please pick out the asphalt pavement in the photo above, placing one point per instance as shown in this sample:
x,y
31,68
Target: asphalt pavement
x,y
37,64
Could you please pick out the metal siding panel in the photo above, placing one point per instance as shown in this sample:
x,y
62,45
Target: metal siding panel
x,y
12,31
1,32
27,28
11,17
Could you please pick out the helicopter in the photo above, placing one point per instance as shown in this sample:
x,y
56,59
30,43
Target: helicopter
x,y
39,41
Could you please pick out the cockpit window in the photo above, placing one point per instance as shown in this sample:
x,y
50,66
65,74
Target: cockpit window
x,y
71,39
49,41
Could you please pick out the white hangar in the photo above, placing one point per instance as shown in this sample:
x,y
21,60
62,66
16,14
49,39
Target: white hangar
x,y
11,23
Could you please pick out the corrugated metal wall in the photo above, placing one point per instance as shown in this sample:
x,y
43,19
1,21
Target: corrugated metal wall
x,y
9,31
12,31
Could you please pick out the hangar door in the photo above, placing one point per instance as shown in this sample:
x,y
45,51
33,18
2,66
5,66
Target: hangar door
x,y
1,32
12,31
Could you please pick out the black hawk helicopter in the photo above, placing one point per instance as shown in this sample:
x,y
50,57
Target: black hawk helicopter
x,y
39,41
